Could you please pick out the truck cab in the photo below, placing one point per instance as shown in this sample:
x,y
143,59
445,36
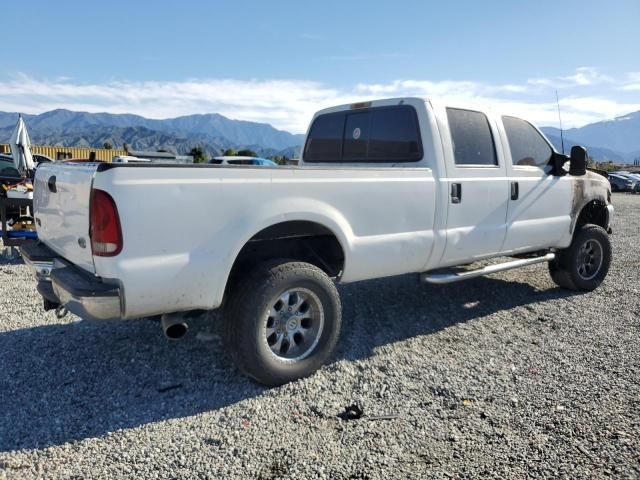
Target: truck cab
x,y
497,184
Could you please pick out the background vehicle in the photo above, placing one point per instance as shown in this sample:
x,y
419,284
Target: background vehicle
x,y
129,159
631,175
620,183
634,177
8,172
384,188
255,161
38,158
10,177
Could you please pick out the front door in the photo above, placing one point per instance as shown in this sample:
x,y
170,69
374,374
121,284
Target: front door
x,y
477,186
539,213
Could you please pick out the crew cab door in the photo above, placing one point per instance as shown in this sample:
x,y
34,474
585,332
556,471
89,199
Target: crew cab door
x,y
477,186
539,212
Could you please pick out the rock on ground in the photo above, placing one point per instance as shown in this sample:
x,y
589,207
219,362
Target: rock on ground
x,y
505,376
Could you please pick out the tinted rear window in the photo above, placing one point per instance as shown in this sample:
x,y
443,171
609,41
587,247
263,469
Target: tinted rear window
x,y
325,139
471,137
356,137
384,134
395,135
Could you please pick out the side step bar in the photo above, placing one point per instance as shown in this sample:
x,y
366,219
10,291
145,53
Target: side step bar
x,y
450,277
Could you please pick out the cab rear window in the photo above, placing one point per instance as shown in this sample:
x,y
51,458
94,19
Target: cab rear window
x,y
383,134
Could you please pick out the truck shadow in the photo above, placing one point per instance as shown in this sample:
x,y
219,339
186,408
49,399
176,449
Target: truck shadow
x,y
68,382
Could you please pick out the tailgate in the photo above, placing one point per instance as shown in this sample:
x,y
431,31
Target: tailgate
x,y
62,192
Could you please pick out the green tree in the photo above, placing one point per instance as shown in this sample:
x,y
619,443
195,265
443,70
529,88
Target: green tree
x,y
279,159
198,154
247,153
230,152
107,146
125,147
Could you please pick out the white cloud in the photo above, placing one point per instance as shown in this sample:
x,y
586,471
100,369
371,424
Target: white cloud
x,y
582,77
289,104
632,82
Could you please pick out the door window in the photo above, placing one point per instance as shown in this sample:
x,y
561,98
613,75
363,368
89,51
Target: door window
x,y
528,147
471,138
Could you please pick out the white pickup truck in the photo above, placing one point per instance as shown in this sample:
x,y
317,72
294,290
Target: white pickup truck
x,y
383,188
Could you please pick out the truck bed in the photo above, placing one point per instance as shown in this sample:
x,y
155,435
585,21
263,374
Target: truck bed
x,y
183,225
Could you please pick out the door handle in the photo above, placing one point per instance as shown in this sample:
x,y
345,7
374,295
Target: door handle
x,y
52,184
456,192
515,190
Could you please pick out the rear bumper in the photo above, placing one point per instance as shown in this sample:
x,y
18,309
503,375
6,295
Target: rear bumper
x,y
78,291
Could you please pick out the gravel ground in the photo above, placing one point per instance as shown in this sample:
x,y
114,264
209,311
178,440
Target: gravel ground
x,y
505,376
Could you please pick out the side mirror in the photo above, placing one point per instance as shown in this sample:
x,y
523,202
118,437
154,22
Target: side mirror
x,y
557,162
578,165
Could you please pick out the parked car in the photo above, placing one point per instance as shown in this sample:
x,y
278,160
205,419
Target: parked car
x,y
621,183
634,177
9,175
38,158
6,161
384,188
255,161
8,172
129,159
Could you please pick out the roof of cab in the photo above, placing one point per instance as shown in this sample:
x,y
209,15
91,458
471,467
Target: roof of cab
x,y
382,102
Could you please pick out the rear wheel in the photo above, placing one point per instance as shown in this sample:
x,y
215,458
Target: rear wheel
x,y
584,265
283,322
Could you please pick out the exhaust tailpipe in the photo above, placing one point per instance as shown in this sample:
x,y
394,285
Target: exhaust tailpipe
x,y
173,325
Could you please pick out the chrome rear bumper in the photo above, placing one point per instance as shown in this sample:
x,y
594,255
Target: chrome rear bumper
x,y
60,283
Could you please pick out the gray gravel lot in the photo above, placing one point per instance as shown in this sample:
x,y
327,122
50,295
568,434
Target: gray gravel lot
x,y
505,376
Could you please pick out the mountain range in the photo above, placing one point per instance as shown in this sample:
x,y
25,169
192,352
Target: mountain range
x,y
213,132
617,139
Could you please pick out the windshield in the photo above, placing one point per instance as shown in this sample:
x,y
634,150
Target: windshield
x,y
7,169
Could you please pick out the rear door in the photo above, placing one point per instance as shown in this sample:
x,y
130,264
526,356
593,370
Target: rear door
x,y
539,213
62,194
477,185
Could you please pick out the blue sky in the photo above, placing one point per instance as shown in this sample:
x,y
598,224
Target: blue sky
x,y
279,61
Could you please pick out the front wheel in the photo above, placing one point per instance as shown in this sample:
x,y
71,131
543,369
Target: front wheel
x,y
282,323
584,265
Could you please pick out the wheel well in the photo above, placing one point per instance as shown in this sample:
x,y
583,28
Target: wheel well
x,y
594,212
297,240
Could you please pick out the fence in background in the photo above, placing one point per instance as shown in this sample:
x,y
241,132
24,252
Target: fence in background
x,y
62,153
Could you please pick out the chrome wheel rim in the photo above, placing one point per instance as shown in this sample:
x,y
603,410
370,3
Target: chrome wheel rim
x,y
293,324
590,259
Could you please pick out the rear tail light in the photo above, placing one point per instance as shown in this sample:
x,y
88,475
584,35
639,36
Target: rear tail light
x,y
105,231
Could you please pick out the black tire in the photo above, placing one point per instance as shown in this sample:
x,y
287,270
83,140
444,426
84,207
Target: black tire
x,y
575,268
246,322
559,276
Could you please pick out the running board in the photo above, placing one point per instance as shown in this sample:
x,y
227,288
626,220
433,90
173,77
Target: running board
x,y
450,277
